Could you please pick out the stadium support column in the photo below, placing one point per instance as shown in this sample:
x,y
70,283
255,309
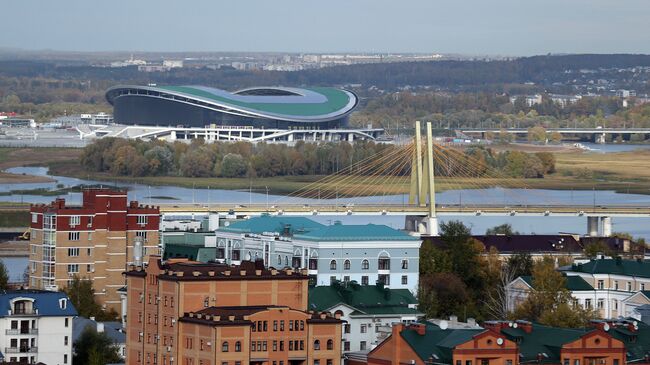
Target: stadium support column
x,y
432,219
607,226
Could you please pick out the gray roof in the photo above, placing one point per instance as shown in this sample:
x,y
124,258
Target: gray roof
x,y
112,329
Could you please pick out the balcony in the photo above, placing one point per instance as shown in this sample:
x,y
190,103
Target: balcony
x,y
26,349
23,312
16,331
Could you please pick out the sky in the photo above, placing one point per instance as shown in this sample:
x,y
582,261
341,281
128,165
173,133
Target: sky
x,y
474,27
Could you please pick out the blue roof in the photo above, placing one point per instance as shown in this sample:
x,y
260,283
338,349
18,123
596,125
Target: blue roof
x,y
267,223
45,302
348,232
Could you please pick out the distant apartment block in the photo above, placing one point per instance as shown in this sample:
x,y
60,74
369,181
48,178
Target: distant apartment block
x,y
36,327
182,312
93,241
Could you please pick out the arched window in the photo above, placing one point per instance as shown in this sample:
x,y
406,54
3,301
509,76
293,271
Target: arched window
x,y
384,261
237,346
330,345
286,261
333,265
365,265
248,256
338,313
317,345
279,260
224,346
346,265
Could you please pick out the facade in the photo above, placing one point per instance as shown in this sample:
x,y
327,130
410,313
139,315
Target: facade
x,y
36,326
369,311
94,241
614,287
363,253
514,343
182,312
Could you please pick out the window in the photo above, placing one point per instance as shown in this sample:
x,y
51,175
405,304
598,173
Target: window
x,y
275,345
615,285
73,252
275,325
34,218
346,279
405,264
346,328
282,325
330,362
629,286
332,280
615,304
279,260
346,346
405,280
333,265
65,358
588,303
143,219
384,279
75,220
224,347
346,265
384,263
73,236
316,362
317,345
601,284
237,346
330,345
365,265
142,234
508,362
601,303
364,280
65,340
363,328
362,345
73,268
642,286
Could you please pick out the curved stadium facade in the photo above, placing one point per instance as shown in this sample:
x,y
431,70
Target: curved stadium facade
x,y
273,114
200,106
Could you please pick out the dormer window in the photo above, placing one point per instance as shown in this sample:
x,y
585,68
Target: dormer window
x,y
63,303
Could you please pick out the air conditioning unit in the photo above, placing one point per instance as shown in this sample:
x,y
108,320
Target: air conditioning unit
x,y
173,321
169,349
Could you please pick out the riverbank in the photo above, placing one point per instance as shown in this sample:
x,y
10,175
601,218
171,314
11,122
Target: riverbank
x,y
14,157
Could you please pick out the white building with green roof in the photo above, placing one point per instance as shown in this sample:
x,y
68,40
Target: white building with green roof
x,y
366,254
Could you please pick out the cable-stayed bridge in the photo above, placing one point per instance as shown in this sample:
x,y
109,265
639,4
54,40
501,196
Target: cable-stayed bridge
x,y
401,180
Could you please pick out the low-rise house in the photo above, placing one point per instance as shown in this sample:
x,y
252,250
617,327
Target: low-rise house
x,y
514,343
369,310
36,326
613,286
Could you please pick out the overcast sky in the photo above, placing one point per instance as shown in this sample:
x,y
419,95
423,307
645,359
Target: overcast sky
x,y
496,27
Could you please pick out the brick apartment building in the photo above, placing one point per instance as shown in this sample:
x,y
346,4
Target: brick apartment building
x,y
94,241
189,313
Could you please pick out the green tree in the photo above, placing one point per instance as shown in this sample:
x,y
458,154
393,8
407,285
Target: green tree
x,y
520,264
505,229
95,348
537,134
82,295
4,276
233,165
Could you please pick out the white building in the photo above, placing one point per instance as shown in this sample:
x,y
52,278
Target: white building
x,y
363,253
36,326
369,310
613,287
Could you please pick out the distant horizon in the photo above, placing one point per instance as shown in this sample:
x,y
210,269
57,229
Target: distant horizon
x,y
511,28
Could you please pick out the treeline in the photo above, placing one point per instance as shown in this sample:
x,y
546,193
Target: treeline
x,y
122,157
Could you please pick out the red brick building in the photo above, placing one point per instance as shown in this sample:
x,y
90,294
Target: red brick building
x,y
189,313
94,241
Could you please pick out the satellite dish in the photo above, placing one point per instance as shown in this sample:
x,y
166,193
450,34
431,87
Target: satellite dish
x,y
499,341
444,325
635,323
515,325
606,327
510,324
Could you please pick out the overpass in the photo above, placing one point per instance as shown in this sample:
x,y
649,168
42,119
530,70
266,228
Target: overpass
x,y
598,133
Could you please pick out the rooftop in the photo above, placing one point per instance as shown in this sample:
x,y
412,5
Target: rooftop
x,y
615,266
46,303
348,232
366,299
268,223
572,283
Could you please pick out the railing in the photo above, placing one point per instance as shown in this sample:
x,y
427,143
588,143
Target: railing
x,y
24,312
31,331
13,350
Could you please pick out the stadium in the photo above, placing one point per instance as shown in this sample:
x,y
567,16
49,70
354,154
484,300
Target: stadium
x,y
277,114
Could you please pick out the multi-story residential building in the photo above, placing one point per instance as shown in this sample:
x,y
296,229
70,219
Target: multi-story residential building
x,y
182,312
368,310
363,253
36,326
608,285
94,241
514,343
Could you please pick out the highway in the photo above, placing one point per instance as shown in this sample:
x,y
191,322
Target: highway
x,y
563,130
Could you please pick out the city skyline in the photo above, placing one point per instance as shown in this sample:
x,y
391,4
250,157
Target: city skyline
x,y
504,27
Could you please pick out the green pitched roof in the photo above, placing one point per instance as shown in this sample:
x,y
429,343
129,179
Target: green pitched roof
x,y
368,299
616,266
192,252
268,223
349,232
636,343
572,283
543,340
437,342
336,100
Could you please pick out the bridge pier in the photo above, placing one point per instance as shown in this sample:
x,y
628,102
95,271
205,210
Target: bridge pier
x,y
599,226
600,138
421,224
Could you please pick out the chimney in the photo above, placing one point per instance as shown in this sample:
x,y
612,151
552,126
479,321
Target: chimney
x,y
525,326
100,327
137,251
420,328
453,319
397,342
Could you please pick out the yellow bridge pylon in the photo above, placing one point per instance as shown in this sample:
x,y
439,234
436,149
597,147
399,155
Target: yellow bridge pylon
x,y
423,183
